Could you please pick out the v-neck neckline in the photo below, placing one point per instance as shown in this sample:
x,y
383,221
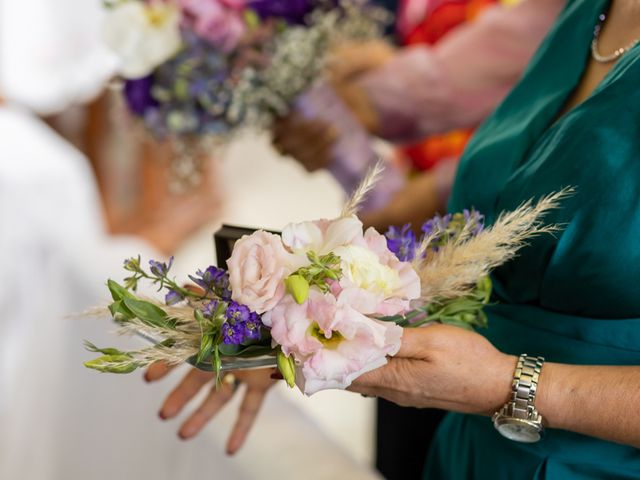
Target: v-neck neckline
x,y
556,120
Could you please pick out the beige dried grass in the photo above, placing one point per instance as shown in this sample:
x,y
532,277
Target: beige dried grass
x,y
453,270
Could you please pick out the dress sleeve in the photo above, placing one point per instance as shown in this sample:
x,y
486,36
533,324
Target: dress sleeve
x,y
455,84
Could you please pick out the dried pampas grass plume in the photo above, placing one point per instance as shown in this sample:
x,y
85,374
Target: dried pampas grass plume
x,y
360,194
453,270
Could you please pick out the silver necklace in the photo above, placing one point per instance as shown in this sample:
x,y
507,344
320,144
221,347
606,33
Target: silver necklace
x,y
595,54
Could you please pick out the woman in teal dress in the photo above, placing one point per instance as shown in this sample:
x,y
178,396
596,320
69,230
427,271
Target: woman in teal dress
x,y
573,298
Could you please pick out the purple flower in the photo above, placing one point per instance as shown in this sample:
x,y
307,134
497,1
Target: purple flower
x,y
231,335
475,218
253,327
437,224
402,242
138,95
214,280
237,314
293,11
210,308
172,297
241,324
160,269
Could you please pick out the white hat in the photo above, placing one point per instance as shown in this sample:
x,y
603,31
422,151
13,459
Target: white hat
x,y
51,53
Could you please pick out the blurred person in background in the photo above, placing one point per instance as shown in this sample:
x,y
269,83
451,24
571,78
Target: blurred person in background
x,y
58,420
460,59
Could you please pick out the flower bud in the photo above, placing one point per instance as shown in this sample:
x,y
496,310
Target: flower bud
x,y
298,287
287,368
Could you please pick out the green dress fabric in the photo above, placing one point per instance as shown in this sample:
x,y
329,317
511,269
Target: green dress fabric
x,y
573,298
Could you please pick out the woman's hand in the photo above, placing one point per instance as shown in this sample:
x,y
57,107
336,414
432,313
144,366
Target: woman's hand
x,y
257,384
310,141
446,367
346,65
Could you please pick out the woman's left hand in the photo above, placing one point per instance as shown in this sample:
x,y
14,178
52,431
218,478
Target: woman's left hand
x,y
446,367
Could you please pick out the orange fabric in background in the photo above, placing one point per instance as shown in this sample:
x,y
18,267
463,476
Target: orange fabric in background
x,y
447,15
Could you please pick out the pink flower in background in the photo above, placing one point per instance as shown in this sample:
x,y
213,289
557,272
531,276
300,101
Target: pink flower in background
x,y
218,21
257,269
331,342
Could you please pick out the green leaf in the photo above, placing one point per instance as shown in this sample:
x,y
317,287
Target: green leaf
x,y
113,364
206,347
120,312
148,312
217,364
118,292
228,350
107,351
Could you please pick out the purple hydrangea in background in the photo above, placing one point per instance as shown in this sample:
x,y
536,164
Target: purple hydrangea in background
x,y
402,242
138,95
214,280
293,11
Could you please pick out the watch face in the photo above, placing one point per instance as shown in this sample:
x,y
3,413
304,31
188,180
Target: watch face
x,y
519,431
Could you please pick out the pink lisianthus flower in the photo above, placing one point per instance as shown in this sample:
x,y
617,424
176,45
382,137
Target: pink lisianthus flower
x,y
257,269
331,342
218,21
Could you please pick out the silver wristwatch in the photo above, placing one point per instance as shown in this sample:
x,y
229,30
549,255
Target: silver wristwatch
x,y
518,419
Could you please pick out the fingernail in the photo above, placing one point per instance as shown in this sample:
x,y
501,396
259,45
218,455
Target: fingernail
x,y
146,377
277,376
162,415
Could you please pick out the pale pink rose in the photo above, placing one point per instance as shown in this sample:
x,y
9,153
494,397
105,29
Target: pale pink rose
x,y
332,343
257,269
321,236
218,21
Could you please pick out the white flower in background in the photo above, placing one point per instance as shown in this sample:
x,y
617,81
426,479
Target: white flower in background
x,y
143,35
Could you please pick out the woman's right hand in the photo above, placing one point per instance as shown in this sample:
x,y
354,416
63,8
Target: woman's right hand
x,y
256,383
346,65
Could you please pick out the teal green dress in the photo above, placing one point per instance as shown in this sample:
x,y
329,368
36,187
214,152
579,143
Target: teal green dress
x,y
574,298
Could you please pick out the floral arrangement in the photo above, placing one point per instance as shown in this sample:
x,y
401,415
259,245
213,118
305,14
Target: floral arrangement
x,y
325,300
206,69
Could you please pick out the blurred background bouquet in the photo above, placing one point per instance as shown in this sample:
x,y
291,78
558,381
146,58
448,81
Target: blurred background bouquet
x,y
197,72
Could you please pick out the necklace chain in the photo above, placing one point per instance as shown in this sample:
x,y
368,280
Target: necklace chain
x,y
595,54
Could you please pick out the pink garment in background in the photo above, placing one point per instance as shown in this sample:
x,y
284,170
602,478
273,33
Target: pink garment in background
x,y
455,84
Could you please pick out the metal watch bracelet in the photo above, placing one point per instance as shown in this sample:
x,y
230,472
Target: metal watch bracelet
x,y
518,419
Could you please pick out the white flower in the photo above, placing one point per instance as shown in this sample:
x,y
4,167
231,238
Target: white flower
x,y
363,269
321,236
143,35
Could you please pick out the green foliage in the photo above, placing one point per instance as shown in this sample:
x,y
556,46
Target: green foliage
x,y
119,363
326,267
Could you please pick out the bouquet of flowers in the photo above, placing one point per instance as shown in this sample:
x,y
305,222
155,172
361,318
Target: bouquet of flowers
x,y
198,71
325,301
